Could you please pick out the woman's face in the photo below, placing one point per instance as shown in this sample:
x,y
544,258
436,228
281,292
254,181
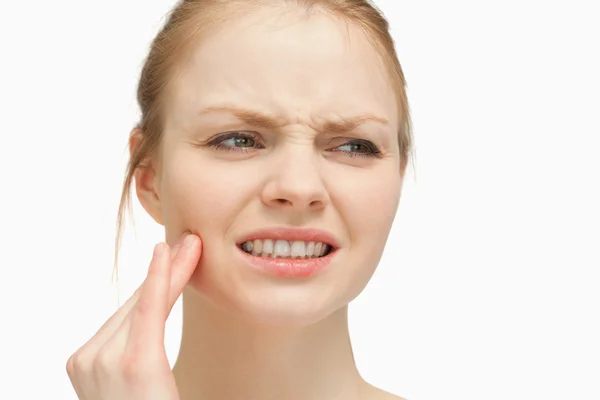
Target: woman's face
x,y
285,87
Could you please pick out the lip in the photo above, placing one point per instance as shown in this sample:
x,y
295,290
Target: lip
x,y
287,267
291,234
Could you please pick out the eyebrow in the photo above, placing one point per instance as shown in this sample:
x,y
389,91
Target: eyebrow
x,y
259,119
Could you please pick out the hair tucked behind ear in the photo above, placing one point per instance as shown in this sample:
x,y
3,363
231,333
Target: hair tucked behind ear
x,y
191,20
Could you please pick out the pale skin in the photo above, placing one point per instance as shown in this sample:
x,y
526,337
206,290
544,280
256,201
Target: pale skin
x,y
247,335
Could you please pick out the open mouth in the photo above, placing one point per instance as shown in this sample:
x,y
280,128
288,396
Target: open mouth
x,y
297,249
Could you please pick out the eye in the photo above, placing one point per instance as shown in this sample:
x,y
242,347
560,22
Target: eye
x,y
235,141
359,148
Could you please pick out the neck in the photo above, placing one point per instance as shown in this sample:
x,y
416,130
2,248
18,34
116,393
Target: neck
x,y
224,357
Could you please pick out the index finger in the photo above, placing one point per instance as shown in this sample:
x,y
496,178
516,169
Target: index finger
x,y
183,267
151,310
166,280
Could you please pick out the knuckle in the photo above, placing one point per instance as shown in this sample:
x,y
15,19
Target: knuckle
x,y
79,363
143,309
104,361
139,365
70,366
132,367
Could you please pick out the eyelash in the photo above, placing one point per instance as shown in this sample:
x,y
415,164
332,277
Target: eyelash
x,y
216,144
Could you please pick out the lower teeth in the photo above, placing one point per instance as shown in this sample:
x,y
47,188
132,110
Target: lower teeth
x,y
268,255
291,258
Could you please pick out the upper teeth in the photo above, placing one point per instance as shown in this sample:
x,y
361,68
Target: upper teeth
x,y
284,248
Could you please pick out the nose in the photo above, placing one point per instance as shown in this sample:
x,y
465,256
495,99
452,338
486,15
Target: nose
x,y
295,182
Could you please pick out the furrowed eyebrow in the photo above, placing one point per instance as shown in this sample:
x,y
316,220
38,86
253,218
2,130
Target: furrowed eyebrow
x,y
257,118
250,117
349,124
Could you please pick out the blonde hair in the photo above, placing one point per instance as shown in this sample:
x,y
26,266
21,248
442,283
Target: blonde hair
x,y
190,20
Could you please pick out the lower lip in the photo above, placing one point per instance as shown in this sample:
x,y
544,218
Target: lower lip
x,y
288,267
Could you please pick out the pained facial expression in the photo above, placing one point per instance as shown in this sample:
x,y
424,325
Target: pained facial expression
x,y
299,172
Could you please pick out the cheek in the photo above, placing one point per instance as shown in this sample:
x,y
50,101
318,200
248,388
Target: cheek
x,y
367,208
368,205
203,196
194,196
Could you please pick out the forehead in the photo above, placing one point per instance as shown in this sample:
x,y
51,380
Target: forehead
x,y
311,66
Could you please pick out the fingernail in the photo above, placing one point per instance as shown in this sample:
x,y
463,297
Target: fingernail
x,y
177,246
158,250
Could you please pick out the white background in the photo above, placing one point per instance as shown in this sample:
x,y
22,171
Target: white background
x,y
489,285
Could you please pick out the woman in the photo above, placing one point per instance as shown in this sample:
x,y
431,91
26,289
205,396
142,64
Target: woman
x,y
272,147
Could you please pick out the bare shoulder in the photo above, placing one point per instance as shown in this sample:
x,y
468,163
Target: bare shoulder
x,y
375,393
383,395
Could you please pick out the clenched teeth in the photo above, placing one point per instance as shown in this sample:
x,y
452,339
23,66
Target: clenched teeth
x,y
285,249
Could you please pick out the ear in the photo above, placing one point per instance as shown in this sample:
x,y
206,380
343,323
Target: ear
x,y
403,163
147,181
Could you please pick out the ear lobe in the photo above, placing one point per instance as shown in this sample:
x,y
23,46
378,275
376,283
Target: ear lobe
x,y
146,180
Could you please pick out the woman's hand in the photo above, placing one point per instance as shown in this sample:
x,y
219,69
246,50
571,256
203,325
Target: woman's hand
x,y
126,359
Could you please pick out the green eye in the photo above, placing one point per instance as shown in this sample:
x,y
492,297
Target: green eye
x,y
360,148
239,142
243,142
236,141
